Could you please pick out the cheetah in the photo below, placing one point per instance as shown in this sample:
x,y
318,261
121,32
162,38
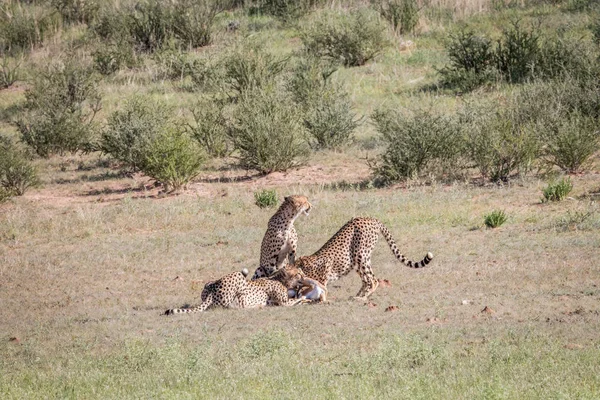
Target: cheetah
x,y
280,240
351,248
234,289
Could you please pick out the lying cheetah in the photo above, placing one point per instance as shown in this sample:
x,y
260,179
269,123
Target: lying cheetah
x,y
280,240
351,248
234,289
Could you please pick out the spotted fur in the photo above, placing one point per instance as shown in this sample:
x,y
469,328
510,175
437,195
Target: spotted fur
x,y
350,248
234,290
281,240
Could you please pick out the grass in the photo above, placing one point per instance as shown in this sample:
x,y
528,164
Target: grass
x,y
90,260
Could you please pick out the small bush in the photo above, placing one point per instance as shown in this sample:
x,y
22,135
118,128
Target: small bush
x,y
403,15
569,142
287,10
210,129
110,58
17,174
192,22
471,60
9,72
61,106
266,198
146,137
415,143
24,27
557,191
132,128
498,143
518,53
328,115
251,69
267,131
172,158
150,24
351,38
495,219
77,11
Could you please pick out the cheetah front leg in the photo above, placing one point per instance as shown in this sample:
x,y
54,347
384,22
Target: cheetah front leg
x,y
293,243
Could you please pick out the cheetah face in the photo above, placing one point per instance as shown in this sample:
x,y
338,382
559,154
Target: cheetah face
x,y
300,203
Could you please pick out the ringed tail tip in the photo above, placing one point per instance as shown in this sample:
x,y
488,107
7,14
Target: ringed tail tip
x,y
429,255
245,272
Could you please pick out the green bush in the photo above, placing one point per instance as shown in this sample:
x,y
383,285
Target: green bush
x,y
131,128
9,72
498,143
80,11
570,142
60,109
192,22
415,143
146,137
403,15
351,38
150,24
518,53
110,58
172,158
557,191
17,174
266,198
23,27
267,131
287,10
327,109
210,129
495,219
471,61
248,69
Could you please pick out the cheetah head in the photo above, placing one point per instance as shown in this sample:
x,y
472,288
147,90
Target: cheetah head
x,y
300,203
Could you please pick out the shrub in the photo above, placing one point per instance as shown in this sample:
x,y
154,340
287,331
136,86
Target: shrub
x,y
414,143
110,58
132,128
150,24
517,53
495,219
24,27
471,59
287,10
569,142
351,38
403,15
557,191
266,198
172,158
267,131
327,109
192,22
81,11
498,143
250,69
9,72
210,129
61,106
17,174
146,137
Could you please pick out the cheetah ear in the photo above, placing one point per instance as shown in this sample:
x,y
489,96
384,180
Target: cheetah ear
x,y
286,198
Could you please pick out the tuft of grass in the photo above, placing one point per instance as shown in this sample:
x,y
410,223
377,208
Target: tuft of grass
x,y
495,219
557,191
266,198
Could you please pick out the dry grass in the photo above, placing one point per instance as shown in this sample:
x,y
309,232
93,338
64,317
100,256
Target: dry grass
x,y
84,284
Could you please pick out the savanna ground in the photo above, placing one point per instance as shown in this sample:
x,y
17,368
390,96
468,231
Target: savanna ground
x,y
90,261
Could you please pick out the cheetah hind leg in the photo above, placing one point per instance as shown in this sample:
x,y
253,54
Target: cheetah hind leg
x,y
369,282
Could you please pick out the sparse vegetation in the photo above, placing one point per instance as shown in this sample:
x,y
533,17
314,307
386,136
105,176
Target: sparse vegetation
x,y
352,38
9,72
210,128
61,106
266,198
17,174
557,191
403,15
267,132
495,219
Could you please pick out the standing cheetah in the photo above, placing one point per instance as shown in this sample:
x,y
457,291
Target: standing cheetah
x,y
280,240
351,248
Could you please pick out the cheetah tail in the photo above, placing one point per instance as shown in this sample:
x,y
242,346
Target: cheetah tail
x,y
245,272
390,241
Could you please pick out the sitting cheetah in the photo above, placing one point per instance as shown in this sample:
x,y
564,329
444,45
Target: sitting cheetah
x,y
234,288
351,248
280,240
